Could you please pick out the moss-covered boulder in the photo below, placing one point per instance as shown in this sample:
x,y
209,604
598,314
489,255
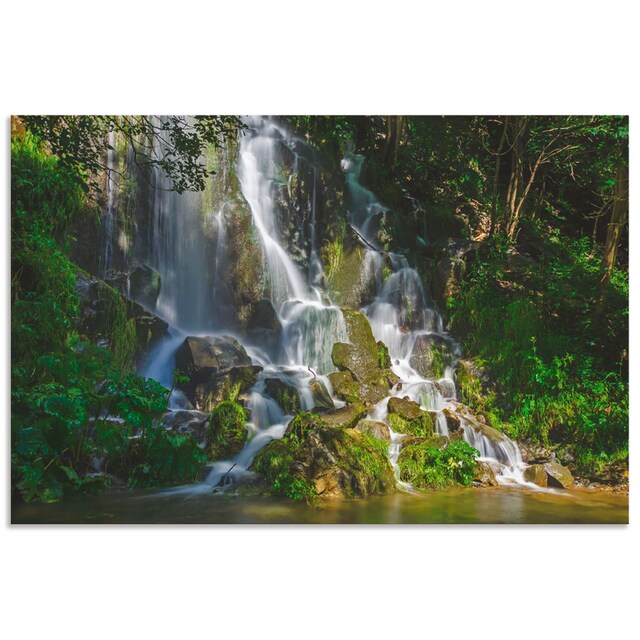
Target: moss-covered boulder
x,y
208,362
321,396
406,416
344,386
484,475
226,433
284,393
363,363
430,356
350,277
328,462
429,467
376,428
550,474
109,319
347,416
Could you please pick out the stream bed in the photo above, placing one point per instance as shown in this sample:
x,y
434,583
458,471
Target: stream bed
x,y
498,505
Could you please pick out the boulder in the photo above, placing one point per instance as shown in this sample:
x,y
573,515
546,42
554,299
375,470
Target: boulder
x,y
144,285
351,280
321,396
453,420
347,416
263,327
550,474
344,386
193,423
226,433
365,360
484,476
406,416
343,463
376,428
104,311
430,355
284,393
202,357
221,386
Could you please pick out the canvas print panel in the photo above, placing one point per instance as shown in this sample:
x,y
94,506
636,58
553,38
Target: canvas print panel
x,y
320,319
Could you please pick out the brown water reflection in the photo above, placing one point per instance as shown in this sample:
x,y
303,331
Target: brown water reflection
x,y
508,505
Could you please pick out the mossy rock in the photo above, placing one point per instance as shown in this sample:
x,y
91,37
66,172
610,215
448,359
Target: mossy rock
x,y
321,396
364,360
144,285
550,474
285,394
349,283
226,433
313,460
406,416
344,386
376,428
430,356
341,462
347,416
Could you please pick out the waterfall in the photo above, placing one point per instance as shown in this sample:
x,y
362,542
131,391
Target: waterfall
x,y
189,247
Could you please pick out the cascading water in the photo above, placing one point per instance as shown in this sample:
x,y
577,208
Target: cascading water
x,y
399,316
188,247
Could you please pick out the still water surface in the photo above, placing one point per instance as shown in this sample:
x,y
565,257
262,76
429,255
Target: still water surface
x,y
508,505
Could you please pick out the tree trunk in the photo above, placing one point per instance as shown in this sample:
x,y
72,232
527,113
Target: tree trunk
x,y
395,125
619,217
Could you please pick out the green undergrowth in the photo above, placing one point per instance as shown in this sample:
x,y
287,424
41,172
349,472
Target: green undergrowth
x,y
72,402
226,433
554,346
429,467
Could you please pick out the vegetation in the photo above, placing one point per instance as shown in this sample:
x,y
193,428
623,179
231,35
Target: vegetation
x,y
78,417
429,467
226,432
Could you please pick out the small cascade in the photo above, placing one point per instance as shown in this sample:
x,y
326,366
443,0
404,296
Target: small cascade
x,y
399,316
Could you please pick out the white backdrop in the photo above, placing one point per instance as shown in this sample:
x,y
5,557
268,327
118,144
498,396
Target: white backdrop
x,y
316,582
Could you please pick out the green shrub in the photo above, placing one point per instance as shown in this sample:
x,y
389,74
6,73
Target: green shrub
x,y
425,466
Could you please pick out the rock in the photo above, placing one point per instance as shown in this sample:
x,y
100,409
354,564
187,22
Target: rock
x,y
558,476
118,280
201,357
321,396
351,282
376,428
344,386
362,359
347,416
453,420
284,393
430,355
144,285
343,463
536,474
550,474
192,423
264,328
406,416
215,366
105,312
263,316
221,386
484,476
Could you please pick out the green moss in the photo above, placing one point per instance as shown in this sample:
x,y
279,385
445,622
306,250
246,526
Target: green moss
x,y
120,329
226,433
421,426
429,467
344,386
